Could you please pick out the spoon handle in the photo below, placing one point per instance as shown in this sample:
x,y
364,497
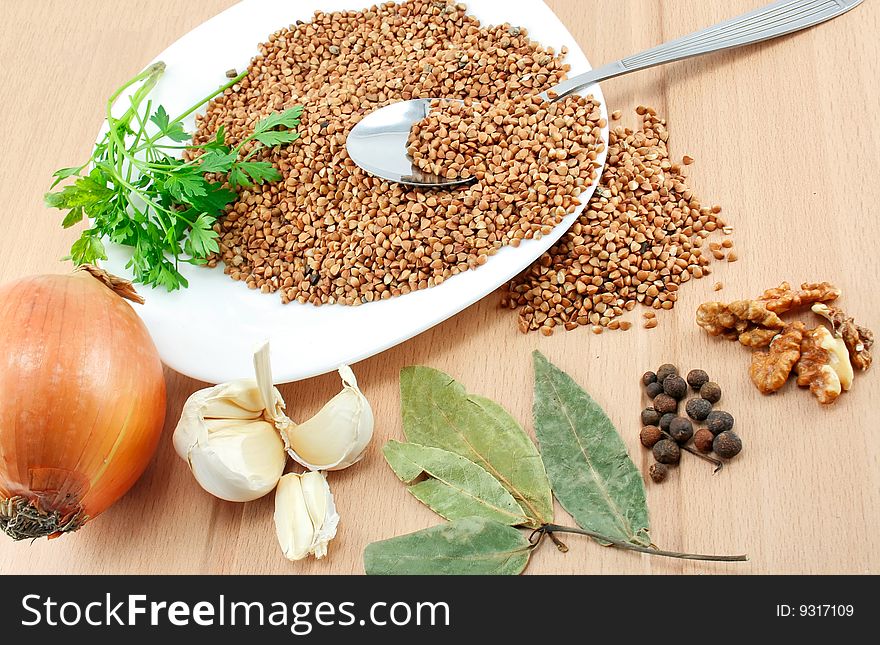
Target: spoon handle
x,y
775,19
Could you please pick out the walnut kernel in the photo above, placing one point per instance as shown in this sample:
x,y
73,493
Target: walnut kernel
x,y
783,298
770,370
858,339
824,365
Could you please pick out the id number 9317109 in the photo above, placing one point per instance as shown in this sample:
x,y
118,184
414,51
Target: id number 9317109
x,y
817,610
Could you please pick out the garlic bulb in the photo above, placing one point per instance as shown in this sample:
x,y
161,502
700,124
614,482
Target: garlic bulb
x,y
230,437
337,436
305,515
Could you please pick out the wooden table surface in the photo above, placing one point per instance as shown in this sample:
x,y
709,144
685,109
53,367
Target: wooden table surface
x,y
785,137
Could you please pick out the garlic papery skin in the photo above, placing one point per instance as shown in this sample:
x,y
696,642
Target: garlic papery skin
x,y
305,515
337,436
231,439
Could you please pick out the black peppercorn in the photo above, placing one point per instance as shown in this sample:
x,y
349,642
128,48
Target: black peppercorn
x,y
650,417
650,435
696,379
658,472
719,421
648,378
727,445
667,369
711,392
653,389
664,403
666,421
681,430
703,440
698,409
667,451
675,386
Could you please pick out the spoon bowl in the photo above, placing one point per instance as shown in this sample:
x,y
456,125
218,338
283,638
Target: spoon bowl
x,y
377,143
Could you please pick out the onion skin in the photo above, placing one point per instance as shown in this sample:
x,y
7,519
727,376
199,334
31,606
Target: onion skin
x,y
82,400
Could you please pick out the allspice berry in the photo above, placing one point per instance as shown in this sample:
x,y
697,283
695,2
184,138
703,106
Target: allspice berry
x,y
650,435
666,451
719,421
696,379
711,392
648,378
667,369
658,472
675,386
650,417
726,445
653,389
681,430
698,409
703,440
664,403
666,421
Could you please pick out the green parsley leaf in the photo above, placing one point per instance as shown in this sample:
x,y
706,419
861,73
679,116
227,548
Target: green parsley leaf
x,y
214,201
86,191
202,240
237,177
173,131
288,118
185,183
259,171
63,173
217,161
276,137
160,118
87,249
74,216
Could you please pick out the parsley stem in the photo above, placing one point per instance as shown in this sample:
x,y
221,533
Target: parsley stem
x,y
151,140
219,90
151,75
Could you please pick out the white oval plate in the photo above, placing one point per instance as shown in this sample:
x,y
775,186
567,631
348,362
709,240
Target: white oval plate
x,y
209,331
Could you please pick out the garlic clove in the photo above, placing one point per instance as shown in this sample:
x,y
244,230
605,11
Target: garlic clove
x,y
337,436
229,434
322,511
240,461
234,400
305,515
314,492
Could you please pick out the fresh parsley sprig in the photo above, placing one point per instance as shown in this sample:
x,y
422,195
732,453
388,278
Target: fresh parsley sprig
x,y
136,192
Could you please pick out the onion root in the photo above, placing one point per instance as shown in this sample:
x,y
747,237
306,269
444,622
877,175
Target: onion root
x,y
22,519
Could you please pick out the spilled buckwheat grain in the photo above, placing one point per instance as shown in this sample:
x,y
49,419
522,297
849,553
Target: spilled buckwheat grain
x,y
638,239
330,233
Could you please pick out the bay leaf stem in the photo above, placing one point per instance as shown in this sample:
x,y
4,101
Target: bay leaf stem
x,y
549,529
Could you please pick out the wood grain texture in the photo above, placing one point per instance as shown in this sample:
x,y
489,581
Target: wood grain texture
x,y
785,137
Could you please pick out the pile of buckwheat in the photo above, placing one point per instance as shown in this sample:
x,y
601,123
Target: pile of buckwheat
x,y
638,239
330,233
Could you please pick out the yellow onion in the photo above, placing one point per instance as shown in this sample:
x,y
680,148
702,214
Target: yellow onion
x,y
82,400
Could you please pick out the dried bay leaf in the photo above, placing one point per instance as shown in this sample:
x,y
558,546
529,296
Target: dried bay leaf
x,y
438,412
587,462
457,488
469,546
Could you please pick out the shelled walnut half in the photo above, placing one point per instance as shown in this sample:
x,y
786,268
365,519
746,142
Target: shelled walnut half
x,y
770,370
858,339
748,321
824,365
783,298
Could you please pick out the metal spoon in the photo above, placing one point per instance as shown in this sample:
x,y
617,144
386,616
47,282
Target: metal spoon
x,y
377,143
